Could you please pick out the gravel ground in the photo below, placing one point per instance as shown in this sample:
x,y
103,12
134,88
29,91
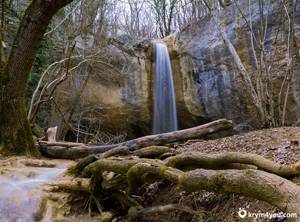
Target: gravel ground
x,y
278,144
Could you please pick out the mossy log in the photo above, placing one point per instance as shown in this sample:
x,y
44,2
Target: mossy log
x,y
66,152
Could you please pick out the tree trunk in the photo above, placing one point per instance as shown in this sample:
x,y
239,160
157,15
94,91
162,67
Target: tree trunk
x,y
15,132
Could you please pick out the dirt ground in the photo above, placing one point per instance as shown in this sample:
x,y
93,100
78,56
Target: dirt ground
x,y
279,144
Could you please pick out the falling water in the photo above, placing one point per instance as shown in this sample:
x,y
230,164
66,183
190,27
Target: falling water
x,y
165,116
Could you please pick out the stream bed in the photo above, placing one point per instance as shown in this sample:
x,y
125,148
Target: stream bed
x,y
21,191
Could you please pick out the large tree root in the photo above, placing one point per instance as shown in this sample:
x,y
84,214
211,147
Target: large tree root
x,y
258,184
147,152
193,160
77,184
70,151
212,161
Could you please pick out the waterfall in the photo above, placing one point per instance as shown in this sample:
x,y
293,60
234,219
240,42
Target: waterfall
x,y
165,115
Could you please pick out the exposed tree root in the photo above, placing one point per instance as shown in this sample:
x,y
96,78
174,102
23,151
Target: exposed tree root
x,y
152,151
257,184
194,160
212,161
115,164
147,152
252,183
77,184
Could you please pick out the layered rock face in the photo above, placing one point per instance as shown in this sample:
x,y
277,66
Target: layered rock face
x,y
114,99
207,83
210,81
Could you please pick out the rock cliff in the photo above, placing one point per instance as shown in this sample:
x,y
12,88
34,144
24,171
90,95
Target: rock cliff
x,y
210,80
207,83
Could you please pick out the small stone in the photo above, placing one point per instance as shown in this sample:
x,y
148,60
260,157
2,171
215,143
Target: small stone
x,y
106,216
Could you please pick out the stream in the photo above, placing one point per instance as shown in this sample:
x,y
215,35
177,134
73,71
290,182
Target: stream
x,y
21,191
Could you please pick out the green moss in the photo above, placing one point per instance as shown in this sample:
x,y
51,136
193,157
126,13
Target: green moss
x,y
152,151
24,136
18,140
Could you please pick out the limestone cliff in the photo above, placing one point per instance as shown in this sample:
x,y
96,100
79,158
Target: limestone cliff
x,y
211,87
207,83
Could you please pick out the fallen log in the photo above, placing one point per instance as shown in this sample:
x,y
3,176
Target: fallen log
x,y
63,144
80,151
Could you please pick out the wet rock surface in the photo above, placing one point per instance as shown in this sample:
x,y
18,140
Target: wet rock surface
x,y
21,188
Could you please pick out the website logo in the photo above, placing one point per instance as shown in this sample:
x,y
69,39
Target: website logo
x,y
242,212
